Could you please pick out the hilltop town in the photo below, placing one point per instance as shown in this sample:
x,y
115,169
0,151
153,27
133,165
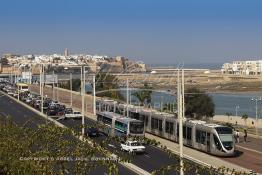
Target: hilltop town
x,y
11,63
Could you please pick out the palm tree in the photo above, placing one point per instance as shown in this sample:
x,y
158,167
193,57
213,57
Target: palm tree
x,y
228,114
245,117
169,107
144,95
140,96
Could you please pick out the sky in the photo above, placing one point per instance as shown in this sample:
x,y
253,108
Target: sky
x,y
164,32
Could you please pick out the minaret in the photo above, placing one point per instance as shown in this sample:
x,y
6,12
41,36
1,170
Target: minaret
x,y
66,52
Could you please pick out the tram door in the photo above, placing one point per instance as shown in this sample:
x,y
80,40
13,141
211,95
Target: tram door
x,y
208,142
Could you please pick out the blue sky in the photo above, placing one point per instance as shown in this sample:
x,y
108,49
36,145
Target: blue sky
x,y
154,31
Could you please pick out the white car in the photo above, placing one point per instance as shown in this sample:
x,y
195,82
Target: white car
x,y
132,147
10,92
75,114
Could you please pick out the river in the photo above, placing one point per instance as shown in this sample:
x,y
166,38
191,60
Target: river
x,y
224,102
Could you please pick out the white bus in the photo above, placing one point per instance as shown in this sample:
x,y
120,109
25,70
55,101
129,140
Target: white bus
x,y
22,87
117,125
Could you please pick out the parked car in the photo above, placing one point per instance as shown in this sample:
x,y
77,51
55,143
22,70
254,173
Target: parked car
x,y
52,111
37,104
75,114
68,111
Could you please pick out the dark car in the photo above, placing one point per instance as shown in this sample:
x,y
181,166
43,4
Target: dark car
x,y
68,110
92,132
51,111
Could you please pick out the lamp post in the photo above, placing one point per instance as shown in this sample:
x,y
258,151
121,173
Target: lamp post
x,y
180,112
237,107
42,87
83,67
71,89
83,100
94,94
53,85
127,97
256,100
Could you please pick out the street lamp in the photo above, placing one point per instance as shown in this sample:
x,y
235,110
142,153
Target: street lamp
x,y
256,100
237,107
83,67
181,114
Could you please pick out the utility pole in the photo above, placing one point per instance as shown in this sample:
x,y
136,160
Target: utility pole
x,y
256,100
53,85
94,94
180,117
30,74
127,97
83,100
71,89
40,80
237,107
42,95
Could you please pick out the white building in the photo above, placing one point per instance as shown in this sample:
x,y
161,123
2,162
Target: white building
x,y
243,67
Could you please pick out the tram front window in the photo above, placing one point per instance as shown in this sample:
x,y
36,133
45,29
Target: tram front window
x,y
226,136
136,127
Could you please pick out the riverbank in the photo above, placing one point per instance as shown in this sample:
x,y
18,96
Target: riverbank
x,y
239,120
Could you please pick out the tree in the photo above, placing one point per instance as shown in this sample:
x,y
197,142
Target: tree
x,y
144,94
20,147
169,107
76,85
108,85
245,117
228,114
198,104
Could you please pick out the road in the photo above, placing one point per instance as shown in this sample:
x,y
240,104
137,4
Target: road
x,y
153,159
249,154
22,115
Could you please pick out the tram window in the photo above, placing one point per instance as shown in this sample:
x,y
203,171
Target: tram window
x,y
184,132
160,125
169,127
177,130
153,123
218,146
198,136
156,124
146,120
189,133
203,137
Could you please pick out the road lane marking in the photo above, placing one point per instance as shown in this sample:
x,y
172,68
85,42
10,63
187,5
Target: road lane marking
x,y
4,114
113,146
147,155
249,149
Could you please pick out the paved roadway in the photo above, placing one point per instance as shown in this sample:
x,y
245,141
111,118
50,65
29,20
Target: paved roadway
x,y
153,159
22,115
249,154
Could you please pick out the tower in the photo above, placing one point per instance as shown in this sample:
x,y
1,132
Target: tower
x,y
66,52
